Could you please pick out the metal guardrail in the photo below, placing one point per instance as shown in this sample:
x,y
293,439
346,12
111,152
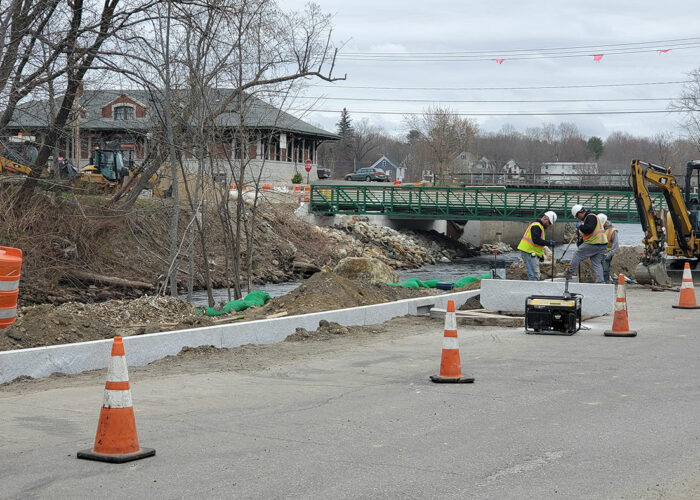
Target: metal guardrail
x,y
501,203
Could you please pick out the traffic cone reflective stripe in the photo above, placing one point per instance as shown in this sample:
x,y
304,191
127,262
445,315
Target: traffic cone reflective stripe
x,y
687,298
450,365
116,439
620,327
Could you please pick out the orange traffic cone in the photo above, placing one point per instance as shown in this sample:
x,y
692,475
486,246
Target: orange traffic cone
x,y
116,440
687,300
620,326
450,366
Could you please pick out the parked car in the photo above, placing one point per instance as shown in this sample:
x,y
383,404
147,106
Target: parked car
x,y
368,174
323,172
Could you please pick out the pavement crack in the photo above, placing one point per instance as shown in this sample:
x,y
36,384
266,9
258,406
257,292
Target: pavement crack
x,y
527,465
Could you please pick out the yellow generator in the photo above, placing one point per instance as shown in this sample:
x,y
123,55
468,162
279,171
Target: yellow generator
x,y
553,315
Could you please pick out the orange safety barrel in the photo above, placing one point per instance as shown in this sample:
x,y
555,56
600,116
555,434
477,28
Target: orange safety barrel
x,y
10,266
8,299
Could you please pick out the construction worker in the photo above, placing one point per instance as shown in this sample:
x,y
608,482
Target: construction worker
x,y
592,244
532,244
613,245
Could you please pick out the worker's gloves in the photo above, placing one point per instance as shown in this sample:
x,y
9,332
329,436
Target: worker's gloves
x,y
551,243
579,224
579,242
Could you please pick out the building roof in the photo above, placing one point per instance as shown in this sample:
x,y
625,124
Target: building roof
x,y
383,163
259,114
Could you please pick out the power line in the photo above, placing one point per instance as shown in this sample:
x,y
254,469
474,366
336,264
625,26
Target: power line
x,y
538,87
562,55
543,49
543,113
503,101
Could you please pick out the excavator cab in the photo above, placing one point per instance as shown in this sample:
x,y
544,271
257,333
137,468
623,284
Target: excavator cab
x,y
105,171
110,164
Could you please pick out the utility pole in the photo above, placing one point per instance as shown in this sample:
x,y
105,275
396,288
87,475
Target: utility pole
x,y
76,126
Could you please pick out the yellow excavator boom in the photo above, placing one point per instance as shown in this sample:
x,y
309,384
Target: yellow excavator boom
x,y
670,234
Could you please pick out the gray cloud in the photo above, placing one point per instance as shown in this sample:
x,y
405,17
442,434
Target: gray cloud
x,y
417,27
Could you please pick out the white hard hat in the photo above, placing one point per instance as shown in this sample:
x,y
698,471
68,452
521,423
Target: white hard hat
x,y
603,219
576,209
552,216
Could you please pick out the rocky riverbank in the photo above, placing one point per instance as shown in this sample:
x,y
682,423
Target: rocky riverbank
x,y
78,250
356,237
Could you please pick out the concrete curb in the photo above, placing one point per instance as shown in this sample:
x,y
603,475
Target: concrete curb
x,y
510,295
41,362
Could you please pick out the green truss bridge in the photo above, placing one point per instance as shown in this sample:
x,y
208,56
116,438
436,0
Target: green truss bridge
x,y
483,203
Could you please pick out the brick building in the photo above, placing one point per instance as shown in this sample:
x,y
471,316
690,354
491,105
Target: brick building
x,y
276,142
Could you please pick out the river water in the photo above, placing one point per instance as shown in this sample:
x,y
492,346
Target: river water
x,y
630,234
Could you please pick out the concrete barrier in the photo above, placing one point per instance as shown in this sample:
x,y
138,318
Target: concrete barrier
x,y
140,350
510,295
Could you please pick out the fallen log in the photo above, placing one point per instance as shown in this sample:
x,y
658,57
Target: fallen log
x,y
109,280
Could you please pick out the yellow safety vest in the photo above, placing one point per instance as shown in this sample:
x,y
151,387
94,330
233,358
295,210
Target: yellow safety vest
x,y
598,236
609,234
527,245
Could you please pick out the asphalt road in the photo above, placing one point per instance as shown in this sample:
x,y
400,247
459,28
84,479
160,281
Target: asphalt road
x,y
584,416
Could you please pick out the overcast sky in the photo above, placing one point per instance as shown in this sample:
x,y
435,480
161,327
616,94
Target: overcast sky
x,y
543,43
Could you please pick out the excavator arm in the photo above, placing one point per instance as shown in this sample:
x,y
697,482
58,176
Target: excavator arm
x,y
652,223
678,238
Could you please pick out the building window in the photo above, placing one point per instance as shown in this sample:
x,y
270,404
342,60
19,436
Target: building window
x,y
123,113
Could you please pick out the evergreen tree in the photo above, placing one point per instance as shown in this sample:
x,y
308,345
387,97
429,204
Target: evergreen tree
x,y
344,125
595,147
345,147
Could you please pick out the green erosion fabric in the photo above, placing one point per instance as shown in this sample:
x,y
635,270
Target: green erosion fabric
x,y
471,279
252,299
415,283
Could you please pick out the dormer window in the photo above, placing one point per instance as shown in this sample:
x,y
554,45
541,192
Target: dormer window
x,y
124,113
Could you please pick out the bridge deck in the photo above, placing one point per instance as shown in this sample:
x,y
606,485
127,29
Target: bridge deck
x,y
471,202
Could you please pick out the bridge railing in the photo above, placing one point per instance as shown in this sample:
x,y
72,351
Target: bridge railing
x,y
502,203
607,181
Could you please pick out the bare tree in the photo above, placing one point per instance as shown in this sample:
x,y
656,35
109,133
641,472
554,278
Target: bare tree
x,y
227,52
55,42
689,104
442,134
365,141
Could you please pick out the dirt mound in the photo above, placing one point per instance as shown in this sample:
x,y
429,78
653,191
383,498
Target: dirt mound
x,y
520,272
325,291
46,324
624,262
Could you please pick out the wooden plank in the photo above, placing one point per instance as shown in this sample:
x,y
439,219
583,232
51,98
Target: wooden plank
x,y
440,313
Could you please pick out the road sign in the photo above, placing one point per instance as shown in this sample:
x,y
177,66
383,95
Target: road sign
x,y
307,165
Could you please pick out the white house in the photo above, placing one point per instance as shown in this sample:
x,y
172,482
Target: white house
x,y
567,172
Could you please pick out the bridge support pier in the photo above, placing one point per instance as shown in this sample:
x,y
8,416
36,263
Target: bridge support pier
x,y
478,232
474,232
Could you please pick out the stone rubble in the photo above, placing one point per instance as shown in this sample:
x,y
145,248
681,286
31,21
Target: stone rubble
x,y
356,237
500,247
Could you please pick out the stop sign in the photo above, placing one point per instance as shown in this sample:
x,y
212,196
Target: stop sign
x,y
307,165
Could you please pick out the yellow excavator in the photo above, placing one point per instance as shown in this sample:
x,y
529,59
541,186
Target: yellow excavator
x,y
107,169
672,232
17,155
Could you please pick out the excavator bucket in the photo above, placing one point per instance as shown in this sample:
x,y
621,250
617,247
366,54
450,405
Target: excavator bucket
x,y
652,274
